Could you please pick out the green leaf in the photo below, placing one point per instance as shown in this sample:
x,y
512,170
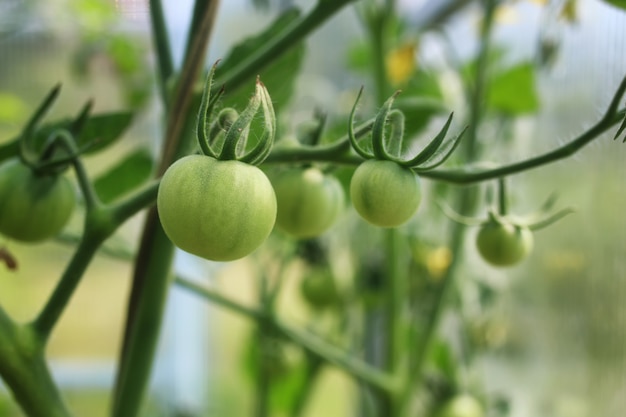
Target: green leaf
x,y
617,3
12,108
513,91
359,57
443,359
278,77
99,132
103,130
420,101
134,170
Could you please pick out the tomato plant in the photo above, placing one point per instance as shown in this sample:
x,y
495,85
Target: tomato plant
x,y
309,201
384,193
219,210
503,243
386,319
33,207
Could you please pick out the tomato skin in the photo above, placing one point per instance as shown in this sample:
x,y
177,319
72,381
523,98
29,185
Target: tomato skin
x,y
462,405
218,210
318,289
309,202
33,207
384,193
503,244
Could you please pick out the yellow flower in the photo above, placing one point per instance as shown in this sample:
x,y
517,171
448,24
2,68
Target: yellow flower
x,y
401,63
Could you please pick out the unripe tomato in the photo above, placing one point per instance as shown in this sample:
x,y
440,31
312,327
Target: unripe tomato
x,y
309,202
33,207
384,193
462,405
503,244
318,289
218,210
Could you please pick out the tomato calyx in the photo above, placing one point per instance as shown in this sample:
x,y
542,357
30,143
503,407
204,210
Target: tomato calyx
x,y
391,121
225,136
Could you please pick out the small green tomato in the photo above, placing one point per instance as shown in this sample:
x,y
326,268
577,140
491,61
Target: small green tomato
x,y
318,289
218,210
462,405
309,202
384,193
33,207
504,244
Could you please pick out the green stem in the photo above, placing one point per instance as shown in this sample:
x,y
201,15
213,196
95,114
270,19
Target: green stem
x,y
291,36
25,372
311,343
467,203
502,200
151,277
312,371
54,307
165,62
178,112
394,316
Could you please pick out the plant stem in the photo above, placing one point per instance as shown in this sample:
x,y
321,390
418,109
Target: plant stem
x,y
151,277
394,316
54,307
24,370
313,367
467,203
161,41
310,342
291,36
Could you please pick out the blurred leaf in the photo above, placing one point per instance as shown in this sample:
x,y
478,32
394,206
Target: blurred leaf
x,y
617,3
420,101
103,130
278,77
99,132
12,108
131,172
513,91
443,359
359,57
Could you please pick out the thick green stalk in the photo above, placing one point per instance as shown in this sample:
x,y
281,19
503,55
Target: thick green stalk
x,y
24,370
152,276
161,41
395,324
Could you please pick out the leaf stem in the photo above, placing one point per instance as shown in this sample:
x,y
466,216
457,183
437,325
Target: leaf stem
x,y
291,36
308,341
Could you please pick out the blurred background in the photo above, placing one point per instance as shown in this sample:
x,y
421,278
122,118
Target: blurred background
x,y
555,341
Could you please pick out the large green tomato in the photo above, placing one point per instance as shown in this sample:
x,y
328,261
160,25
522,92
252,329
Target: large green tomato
x,y
33,207
384,193
462,405
309,202
503,244
218,210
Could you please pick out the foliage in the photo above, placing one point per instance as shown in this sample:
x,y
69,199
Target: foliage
x,y
207,189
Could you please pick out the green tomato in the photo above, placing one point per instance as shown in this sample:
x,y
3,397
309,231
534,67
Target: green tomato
x,y
462,405
309,202
218,210
318,289
384,193
503,244
33,207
